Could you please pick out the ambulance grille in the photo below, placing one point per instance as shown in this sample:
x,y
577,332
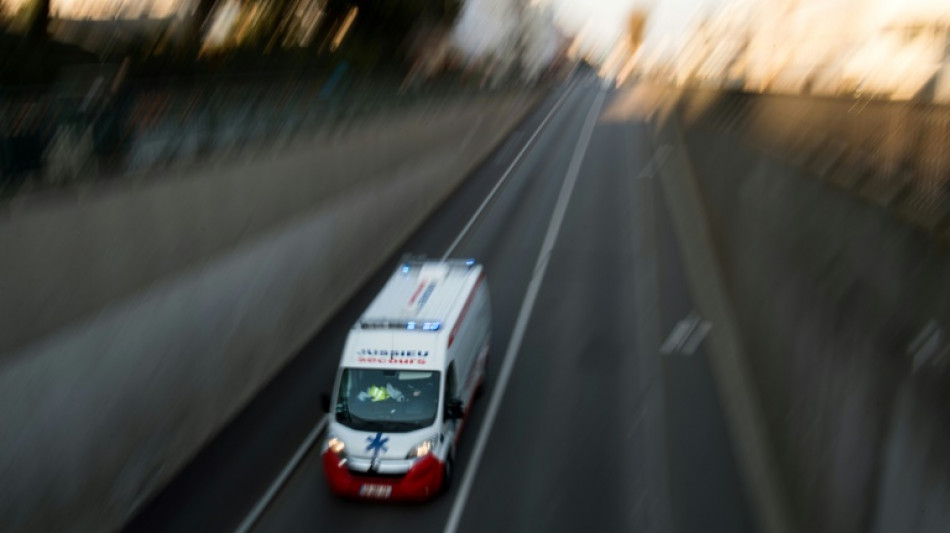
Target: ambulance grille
x,y
376,475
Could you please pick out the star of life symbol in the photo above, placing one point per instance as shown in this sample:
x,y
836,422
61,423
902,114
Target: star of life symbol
x,y
376,444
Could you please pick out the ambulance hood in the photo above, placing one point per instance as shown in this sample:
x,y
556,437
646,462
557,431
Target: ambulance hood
x,y
381,444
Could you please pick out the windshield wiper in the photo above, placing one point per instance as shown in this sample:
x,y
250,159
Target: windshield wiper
x,y
391,425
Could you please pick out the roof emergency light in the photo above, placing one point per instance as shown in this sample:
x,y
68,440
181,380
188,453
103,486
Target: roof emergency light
x,y
433,271
383,323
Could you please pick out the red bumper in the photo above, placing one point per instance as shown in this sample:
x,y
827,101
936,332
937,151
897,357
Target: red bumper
x,y
421,482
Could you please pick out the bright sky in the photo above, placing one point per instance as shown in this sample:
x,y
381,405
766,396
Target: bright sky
x,y
600,21
106,8
606,16
606,20
669,20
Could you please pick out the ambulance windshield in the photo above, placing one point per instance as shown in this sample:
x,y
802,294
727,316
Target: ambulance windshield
x,y
387,400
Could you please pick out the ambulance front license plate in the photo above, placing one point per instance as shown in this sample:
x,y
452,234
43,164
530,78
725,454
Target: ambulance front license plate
x,y
376,491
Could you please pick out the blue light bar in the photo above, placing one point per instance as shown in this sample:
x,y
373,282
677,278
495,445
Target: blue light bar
x,y
382,323
405,268
470,262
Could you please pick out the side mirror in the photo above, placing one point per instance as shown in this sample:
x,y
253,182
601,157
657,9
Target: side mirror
x,y
325,402
453,410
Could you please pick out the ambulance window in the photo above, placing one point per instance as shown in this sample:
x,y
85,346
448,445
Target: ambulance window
x,y
451,386
372,399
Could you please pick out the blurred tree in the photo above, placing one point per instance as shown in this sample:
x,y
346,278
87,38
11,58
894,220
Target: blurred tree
x,y
203,9
198,23
378,34
38,22
636,24
273,22
381,29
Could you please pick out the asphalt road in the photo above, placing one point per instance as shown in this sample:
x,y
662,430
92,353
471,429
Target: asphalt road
x,y
595,429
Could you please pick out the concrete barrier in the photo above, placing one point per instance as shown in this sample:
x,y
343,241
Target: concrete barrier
x,y
844,315
138,320
894,154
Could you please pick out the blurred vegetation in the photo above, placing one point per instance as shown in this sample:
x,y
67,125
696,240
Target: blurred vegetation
x,y
377,40
38,21
636,24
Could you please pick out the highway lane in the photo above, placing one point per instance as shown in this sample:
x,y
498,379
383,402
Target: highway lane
x,y
706,490
600,432
596,429
580,436
506,239
225,480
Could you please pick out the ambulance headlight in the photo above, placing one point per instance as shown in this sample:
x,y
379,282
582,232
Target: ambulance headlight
x,y
335,445
424,448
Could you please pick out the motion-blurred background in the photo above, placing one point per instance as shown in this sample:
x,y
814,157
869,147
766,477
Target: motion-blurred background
x,y
199,197
106,81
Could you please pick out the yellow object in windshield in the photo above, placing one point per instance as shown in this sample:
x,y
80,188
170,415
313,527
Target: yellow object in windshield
x,y
378,394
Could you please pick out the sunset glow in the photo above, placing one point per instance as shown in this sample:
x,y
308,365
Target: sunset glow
x,y
106,9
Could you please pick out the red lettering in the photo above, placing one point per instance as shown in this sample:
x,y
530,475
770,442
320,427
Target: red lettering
x,y
382,360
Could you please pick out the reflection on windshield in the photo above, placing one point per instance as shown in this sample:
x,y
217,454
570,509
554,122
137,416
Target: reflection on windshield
x,y
387,400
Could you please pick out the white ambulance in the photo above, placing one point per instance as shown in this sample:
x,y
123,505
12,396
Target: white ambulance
x,y
410,369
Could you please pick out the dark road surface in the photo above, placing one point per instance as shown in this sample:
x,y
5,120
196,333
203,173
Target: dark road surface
x,y
596,430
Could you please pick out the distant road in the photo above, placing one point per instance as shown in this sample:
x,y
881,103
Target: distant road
x,y
595,429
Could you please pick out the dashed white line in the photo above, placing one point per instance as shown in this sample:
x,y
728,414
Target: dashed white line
x,y
524,314
686,336
681,331
693,341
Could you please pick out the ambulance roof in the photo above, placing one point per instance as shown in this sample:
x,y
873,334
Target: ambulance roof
x,y
415,312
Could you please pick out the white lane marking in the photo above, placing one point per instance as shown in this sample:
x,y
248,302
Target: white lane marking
x,y
285,474
925,346
301,452
686,336
692,342
515,139
680,332
504,177
656,162
930,329
524,315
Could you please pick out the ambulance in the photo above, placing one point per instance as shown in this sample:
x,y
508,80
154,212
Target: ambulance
x,y
411,367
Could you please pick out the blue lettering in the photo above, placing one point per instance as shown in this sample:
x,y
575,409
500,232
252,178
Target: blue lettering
x,y
394,353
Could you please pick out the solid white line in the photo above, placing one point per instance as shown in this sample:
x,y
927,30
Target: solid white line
x,y
285,474
301,452
524,315
504,176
